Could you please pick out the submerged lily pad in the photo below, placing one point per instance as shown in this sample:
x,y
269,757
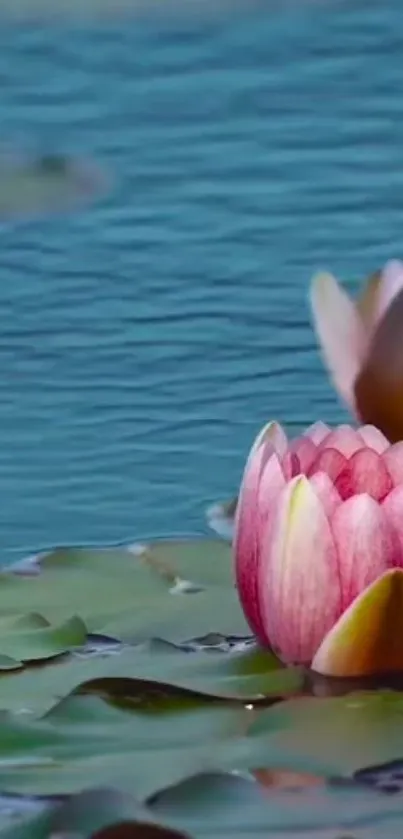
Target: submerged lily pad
x,y
31,187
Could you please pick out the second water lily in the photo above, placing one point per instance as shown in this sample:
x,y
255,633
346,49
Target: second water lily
x,y
362,345
318,548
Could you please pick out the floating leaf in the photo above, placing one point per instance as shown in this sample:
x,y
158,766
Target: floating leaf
x,y
7,663
248,676
134,590
87,742
332,736
24,817
177,720
30,637
225,805
85,813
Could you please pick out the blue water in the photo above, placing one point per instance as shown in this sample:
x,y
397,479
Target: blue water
x,y
144,339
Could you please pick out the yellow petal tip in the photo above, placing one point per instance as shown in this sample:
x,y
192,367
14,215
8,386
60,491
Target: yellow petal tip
x,y
367,640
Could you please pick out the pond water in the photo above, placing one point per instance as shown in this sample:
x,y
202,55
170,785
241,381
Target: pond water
x,y
145,338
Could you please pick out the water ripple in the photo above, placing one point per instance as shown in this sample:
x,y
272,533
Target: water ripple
x,y
144,340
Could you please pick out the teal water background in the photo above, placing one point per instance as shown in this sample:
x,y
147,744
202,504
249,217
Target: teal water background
x,y
143,340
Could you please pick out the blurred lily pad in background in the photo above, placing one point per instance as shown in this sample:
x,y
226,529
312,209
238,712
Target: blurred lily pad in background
x,y
71,10
135,703
37,186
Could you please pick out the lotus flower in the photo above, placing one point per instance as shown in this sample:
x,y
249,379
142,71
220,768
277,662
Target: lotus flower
x,y
362,345
318,548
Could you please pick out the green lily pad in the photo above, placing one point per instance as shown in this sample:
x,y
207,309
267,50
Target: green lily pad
x,y
223,805
101,812
23,817
131,671
214,806
181,591
85,742
251,676
108,813
31,637
332,736
175,590
248,676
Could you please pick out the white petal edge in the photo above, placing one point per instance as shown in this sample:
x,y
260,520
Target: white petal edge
x,y
340,332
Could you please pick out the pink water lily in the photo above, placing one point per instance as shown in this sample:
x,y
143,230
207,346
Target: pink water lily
x,y
362,346
318,548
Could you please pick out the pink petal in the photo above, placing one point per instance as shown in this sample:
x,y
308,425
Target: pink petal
x,y
344,438
330,461
393,459
271,434
245,543
317,432
365,472
373,438
326,491
271,483
366,542
391,284
306,451
290,465
270,439
393,508
298,575
341,333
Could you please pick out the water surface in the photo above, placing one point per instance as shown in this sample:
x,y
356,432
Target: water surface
x,y
145,339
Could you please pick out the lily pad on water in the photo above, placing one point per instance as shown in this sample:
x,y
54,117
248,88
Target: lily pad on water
x,y
134,594
181,591
104,809
333,736
223,805
131,671
251,676
31,637
85,742
217,806
101,812
155,750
